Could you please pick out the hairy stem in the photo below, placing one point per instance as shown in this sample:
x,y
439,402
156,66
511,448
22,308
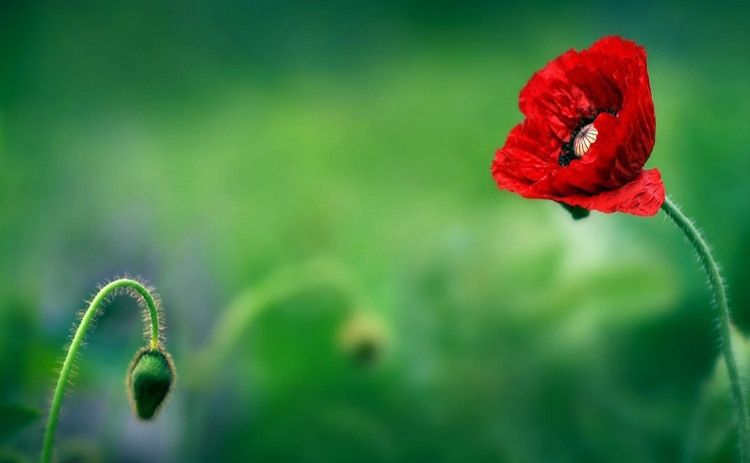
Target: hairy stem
x,y
62,381
714,278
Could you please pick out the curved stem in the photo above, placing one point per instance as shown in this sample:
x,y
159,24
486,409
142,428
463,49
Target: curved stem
x,y
714,277
239,317
250,304
62,381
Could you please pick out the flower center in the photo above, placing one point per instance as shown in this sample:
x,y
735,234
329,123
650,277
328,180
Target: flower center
x,y
581,138
585,138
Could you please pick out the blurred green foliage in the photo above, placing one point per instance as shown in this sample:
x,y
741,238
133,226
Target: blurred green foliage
x,y
207,146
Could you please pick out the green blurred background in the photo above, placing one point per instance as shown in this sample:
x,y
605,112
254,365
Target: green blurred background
x,y
208,146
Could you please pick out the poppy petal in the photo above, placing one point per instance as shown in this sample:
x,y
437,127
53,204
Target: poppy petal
x,y
643,196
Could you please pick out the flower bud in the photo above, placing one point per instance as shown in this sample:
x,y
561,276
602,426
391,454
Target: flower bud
x,y
150,378
363,338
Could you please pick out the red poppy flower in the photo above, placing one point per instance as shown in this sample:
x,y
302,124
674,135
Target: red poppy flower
x,y
589,129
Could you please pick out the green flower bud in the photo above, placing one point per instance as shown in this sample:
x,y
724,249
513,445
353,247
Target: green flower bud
x,y
150,378
363,338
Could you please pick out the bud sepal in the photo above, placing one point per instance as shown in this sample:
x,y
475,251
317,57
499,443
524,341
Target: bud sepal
x,y
151,376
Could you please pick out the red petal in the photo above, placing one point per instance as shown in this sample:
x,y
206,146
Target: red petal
x,y
548,96
643,196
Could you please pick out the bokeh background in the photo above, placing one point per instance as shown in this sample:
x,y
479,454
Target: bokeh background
x,y
208,146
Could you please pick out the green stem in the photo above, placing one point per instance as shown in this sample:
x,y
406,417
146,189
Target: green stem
x,y
712,270
256,299
239,317
62,381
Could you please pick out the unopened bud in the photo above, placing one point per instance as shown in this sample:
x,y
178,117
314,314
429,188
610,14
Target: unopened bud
x,y
150,377
363,338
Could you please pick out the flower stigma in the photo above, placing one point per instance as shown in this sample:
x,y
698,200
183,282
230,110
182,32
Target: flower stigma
x,y
585,138
581,138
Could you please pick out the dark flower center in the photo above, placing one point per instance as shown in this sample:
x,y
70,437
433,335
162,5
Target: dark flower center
x,y
581,138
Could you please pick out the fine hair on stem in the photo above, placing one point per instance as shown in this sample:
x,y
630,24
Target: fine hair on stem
x,y
153,319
